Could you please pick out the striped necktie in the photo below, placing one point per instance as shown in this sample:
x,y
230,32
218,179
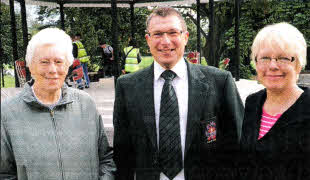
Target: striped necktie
x,y
170,153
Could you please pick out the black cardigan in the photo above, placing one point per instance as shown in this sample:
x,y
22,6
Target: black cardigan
x,y
283,153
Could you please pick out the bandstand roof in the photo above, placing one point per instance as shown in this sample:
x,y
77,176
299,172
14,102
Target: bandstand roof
x,y
107,3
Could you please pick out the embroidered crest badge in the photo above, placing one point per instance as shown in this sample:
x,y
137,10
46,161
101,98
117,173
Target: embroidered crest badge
x,y
211,132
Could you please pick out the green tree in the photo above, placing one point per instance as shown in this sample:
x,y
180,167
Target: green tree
x,y
94,24
223,18
257,14
6,35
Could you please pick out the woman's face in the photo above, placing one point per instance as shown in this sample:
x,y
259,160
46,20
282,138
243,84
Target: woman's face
x,y
49,68
279,73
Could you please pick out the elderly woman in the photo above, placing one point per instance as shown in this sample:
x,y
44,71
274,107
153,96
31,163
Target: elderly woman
x,y
50,131
276,124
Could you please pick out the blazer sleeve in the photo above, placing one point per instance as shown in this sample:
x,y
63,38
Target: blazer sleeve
x,y
106,164
226,156
232,115
7,161
123,154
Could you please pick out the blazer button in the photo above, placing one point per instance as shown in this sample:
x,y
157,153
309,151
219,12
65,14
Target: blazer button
x,y
155,160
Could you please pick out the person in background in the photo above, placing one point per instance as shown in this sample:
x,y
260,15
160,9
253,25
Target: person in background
x,y
173,120
131,58
276,127
108,59
51,131
79,52
69,76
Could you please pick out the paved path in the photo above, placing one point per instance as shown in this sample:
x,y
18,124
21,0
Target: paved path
x,y
103,94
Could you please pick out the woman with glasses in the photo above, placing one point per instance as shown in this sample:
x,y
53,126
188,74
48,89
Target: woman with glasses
x,y
276,126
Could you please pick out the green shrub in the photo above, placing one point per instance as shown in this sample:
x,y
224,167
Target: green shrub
x,y
245,72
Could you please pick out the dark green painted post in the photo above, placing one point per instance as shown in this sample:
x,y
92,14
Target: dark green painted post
x,y
1,52
25,32
132,22
62,16
237,47
211,33
198,30
14,40
115,34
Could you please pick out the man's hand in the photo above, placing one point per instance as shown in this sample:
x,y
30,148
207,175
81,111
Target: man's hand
x,y
123,71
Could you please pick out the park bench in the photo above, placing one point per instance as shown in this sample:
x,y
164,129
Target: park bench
x,y
20,66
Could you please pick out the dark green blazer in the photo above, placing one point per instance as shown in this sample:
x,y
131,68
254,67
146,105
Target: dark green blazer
x,y
213,104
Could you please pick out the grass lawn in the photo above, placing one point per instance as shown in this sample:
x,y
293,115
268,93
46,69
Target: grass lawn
x,y
9,81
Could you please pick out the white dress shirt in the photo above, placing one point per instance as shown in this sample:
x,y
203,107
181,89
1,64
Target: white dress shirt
x,y
180,85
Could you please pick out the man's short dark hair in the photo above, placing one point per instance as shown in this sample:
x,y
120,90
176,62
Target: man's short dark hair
x,y
78,34
165,12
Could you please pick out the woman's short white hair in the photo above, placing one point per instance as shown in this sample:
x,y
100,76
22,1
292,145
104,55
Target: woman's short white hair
x,y
286,36
53,36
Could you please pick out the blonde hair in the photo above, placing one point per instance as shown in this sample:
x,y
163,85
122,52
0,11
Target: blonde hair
x,y
286,36
52,36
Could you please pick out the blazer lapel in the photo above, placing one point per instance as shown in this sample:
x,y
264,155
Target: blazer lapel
x,y
145,87
197,88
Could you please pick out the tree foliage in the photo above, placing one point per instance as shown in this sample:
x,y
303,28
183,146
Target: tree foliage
x,y
254,15
257,14
95,26
223,17
6,35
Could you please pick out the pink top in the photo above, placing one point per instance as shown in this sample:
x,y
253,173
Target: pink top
x,y
267,122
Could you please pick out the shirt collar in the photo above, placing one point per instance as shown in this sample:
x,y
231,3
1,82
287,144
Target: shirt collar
x,y
180,69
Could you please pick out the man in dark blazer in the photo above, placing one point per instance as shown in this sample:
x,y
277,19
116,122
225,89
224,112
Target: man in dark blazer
x,y
210,110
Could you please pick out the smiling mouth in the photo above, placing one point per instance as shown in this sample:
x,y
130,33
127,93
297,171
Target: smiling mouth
x,y
52,78
274,76
166,50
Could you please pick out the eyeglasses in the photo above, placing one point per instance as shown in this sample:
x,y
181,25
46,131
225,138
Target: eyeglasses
x,y
171,34
279,60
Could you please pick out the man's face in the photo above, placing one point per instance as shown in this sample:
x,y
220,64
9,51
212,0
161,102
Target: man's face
x,y
49,67
166,40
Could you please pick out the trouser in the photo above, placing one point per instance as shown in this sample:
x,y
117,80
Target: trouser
x,y
85,72
108,69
